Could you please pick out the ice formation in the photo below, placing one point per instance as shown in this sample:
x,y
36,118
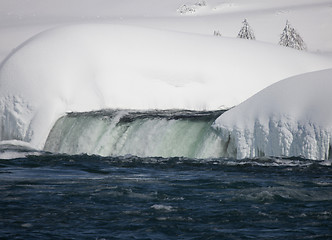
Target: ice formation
x,y
95,66
292,117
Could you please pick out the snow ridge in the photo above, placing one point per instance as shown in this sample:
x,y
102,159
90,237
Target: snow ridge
x,y
290,118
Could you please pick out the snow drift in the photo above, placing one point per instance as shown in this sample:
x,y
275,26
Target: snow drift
x,y
290,118
96,66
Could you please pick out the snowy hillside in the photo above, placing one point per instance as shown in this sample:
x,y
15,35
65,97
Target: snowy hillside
x,y
83,55
290,118
90,67
20,20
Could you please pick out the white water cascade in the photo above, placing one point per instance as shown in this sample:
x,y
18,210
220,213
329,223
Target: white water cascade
x,y
150,133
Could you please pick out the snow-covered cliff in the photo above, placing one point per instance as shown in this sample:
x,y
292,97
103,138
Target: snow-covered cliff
x,y
95,66
290,118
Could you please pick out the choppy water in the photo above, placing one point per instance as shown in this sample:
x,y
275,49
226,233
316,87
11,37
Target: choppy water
x,y
90,197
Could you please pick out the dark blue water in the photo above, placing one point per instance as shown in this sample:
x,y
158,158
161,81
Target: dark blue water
x,y
90,197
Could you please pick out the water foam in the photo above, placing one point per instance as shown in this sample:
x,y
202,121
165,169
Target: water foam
x,y
140,133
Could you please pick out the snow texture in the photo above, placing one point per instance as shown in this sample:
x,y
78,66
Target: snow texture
x,y
104,54
290,118
94,66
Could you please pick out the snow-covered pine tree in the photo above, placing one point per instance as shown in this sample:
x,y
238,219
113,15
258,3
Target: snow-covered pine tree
x,y
290,38
200,3
286,36
217,33
246,31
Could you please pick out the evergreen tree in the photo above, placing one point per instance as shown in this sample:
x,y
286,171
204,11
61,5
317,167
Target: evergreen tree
x,y
290,38
217,33
246,31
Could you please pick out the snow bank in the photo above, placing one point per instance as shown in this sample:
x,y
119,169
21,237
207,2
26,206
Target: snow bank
x,y
290,118
91,66
20,20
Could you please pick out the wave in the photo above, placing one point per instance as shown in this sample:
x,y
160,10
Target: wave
x,y
11,149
